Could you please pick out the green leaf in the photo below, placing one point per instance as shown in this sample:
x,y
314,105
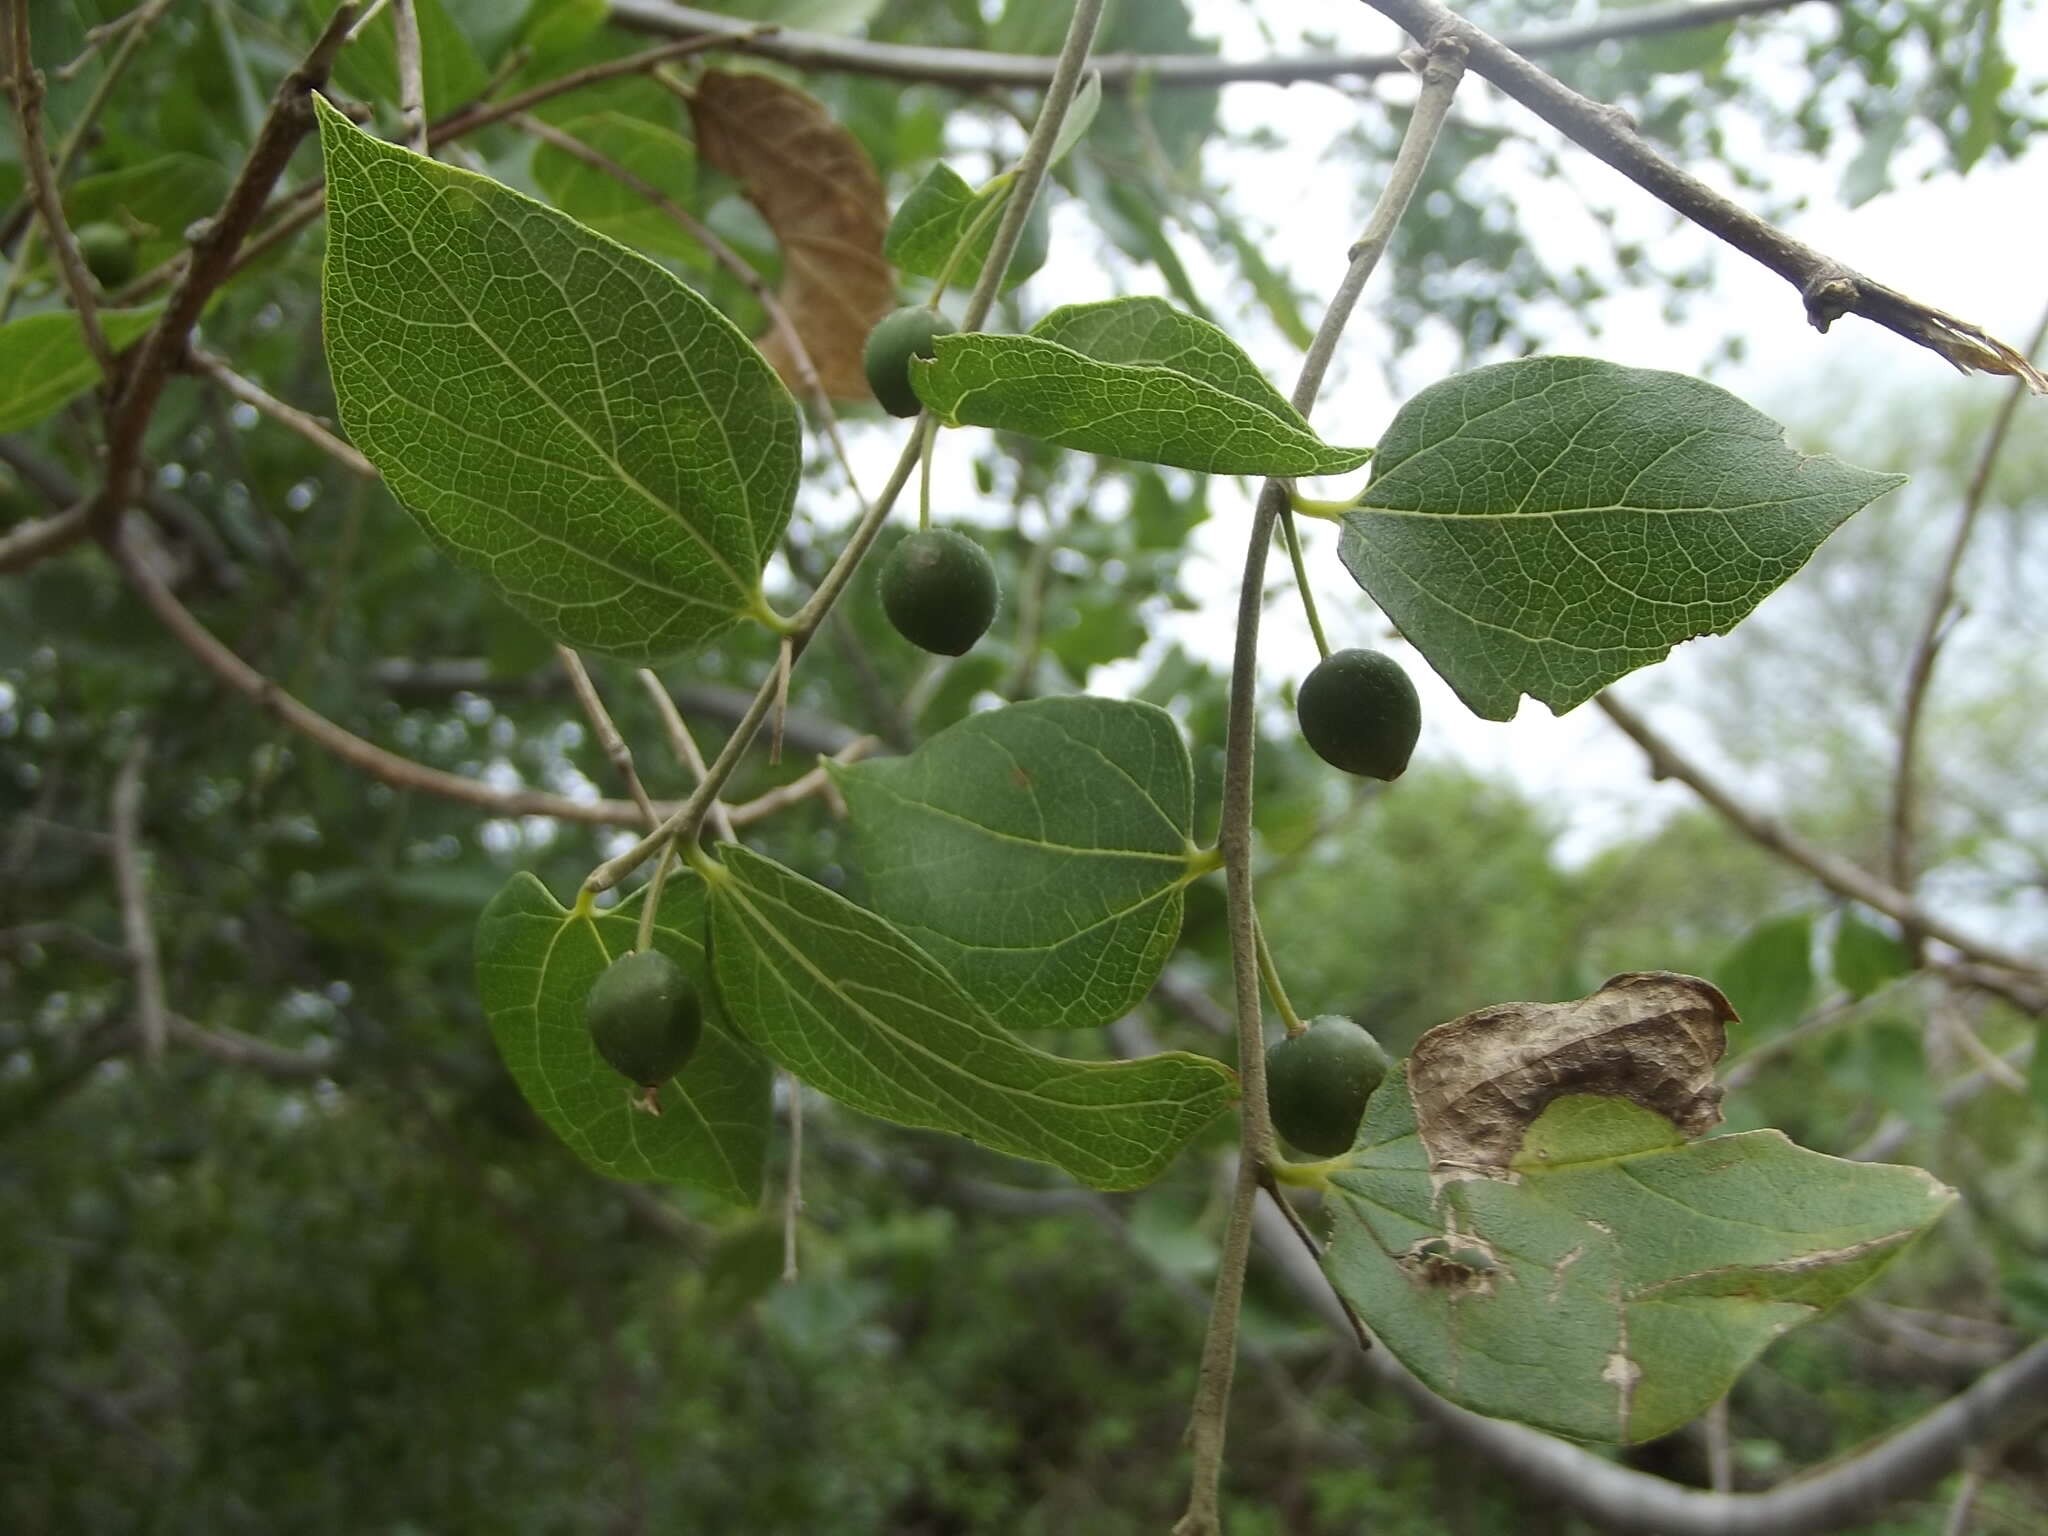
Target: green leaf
x,y
2037,1072
1549,525
936,216
44,360
1038,852
162,196
1866,957
665,160
1135,378
1768,976
560,413
535,962
1636,1274
853,1008
1080,116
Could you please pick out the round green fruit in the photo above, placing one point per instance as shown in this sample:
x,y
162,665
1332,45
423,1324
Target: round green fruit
x,y
1317,1083
109,252
894,341
939,590
644,1016
1360,713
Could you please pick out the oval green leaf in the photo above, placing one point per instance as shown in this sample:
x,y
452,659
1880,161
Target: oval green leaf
x,y
560,413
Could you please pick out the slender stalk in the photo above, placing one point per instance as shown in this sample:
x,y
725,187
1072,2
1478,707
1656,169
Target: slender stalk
x,y
1308,596
650,902
793,1188
1442,70
1270,973
684,745
138,931
609,737
252,394
1030,173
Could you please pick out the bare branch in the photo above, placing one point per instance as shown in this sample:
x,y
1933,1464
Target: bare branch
x,y
1833,871
615,749
818,782
124,819
40,537
1828,288
307,426
70,936
412,83
1933,630
969,70
235,1049
208,263
43,189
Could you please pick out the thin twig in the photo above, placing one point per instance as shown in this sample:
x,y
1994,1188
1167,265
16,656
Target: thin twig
x,y
1836,873
608,735
1828,289
972,70
208,263
136,24
235,1049
138,931
817,782
1934,629
362,755
412,79
1030,173
42,181
1441,72
90,945
310,427
1720,1453
684,745
40,537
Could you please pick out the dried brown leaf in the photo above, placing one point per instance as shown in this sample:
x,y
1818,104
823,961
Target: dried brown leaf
x,y
817,190
1651,1037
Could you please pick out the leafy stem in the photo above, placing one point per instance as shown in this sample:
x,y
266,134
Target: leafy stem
x,y
682,826
1442,69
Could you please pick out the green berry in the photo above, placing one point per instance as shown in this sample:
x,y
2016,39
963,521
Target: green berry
x,y
939,590
644,1016
109,252
895,340
1317,1083
1360,713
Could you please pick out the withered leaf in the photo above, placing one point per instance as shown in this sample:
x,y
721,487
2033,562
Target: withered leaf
x,y
1651,1037
817,190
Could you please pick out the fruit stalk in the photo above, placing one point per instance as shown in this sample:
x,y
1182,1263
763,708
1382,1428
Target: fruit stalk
x,y
1441,72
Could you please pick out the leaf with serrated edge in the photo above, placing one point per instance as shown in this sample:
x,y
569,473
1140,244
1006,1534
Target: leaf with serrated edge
x,y
1038,852
1549,525
535,962
1133,378
560,413
853,1008
1524,1223
44,360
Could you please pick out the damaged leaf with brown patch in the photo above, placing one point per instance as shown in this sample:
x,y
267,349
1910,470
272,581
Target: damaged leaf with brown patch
x,y
816,188
1528,1225
1651,1037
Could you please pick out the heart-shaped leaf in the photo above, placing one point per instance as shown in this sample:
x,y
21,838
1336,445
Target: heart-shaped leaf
x,y
1038,852
1549,525
535,962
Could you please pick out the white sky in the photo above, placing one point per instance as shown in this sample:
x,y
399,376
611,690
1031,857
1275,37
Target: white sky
x,y
1973,247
